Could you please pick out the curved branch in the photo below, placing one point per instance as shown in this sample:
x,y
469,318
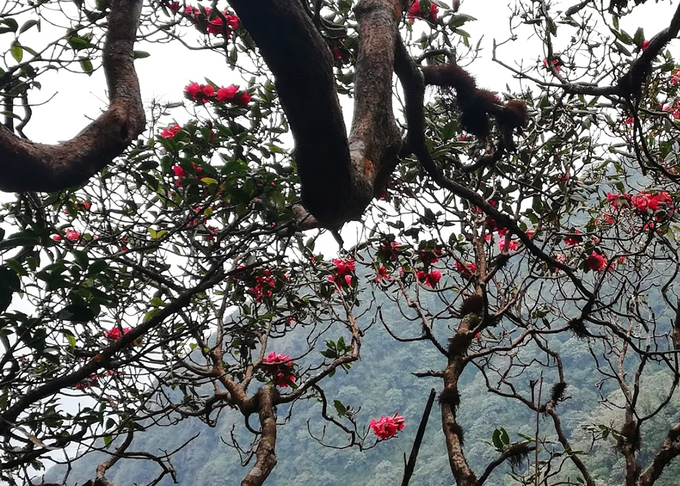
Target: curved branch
x,y
29,166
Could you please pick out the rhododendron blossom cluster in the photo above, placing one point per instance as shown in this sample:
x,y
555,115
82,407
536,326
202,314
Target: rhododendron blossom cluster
x,y
281,368
574,238
344,269
431,279
595,262
264,287
170,132
646,203
70,235
216,25
203,93
511,244
420,11
387,427
381,274
116,333
428,257
467,269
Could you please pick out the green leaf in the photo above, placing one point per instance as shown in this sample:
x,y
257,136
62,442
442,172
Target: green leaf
x,y
28,24
17,51
141,54
78,43
496,439
86,66
639,37
340,408
11,24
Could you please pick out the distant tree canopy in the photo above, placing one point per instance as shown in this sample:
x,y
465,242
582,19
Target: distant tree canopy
x,y
529,235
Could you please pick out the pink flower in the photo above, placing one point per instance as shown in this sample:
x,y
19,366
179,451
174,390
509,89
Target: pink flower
x,y
56,237
244,99
645,45
170,132
87,382
573,239
115,334
179,171
675,77
430,279
72,235
226,94
338,279
281,367
555,62
85,205
387,427
192,89
512,244
275,358
595,262
208,91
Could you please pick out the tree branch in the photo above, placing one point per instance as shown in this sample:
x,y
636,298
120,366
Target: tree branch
x,y
29,166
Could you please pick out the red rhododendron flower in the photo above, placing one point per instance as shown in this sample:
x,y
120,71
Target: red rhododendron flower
x,y
88,382
512,244
466,270
281,368
264,287
416,11
344,267
429,257
192,90
338,279
284,380
555,62
244,99
72,235
56,237
232,21
275,358
595,262
170,132
178,170
431,279
675,78
226,94
387,427
645,45
573,239
381,274
115,334
208,91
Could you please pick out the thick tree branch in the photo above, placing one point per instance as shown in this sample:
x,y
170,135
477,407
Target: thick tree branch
x,y
339,177
265,453
670,449
29,166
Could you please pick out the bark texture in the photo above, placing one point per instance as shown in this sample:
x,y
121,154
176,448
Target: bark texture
x,y
29,166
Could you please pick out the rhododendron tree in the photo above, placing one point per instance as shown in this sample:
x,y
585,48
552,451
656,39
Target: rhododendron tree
x,y
171,265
